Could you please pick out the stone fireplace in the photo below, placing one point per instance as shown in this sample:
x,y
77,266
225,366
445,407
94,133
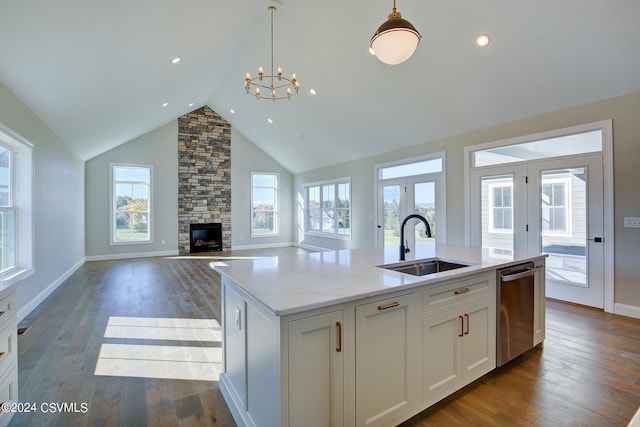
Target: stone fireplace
x,y
204,177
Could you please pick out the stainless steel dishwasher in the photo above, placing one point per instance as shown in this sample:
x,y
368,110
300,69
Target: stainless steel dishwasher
x,y
515,311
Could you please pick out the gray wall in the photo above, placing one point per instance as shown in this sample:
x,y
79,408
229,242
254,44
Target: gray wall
x,y
246,157
58,204
158,148
624,111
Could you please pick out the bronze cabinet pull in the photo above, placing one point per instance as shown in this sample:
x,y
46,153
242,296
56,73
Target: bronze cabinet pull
x,y
339,348
384,307
467,317
461,291
461,326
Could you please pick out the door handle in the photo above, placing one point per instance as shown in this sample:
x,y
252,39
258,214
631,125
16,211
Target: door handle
x,y
597,239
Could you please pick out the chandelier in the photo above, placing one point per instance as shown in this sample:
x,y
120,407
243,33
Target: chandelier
x,y
395,40
277,86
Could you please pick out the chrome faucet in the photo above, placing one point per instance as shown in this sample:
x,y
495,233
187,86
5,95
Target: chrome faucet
x,y
403,249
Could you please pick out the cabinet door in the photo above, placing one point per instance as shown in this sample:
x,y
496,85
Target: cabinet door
x,y
387,360
478,341
233,345
316,365
441,354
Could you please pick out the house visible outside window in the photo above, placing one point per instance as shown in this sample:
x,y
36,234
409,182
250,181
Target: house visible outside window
x,y
264,204
501,212
16,206
555,206
131,204
328,208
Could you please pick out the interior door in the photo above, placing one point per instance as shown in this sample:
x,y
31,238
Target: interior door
x,y
566,221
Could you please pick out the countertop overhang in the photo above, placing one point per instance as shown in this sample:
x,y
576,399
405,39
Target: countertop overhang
x,y
290,284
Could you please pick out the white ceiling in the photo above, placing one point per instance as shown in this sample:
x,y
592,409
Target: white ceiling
x,y
97,72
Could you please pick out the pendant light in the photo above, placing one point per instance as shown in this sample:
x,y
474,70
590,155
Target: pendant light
x,y
395,40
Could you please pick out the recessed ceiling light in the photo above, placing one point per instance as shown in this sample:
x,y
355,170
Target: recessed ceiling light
x,y
483,40
164,104
312,91
232,111
175,60
270,121
191,104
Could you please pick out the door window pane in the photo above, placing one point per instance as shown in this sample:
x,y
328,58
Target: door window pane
x,y
497,212
391,215
563,204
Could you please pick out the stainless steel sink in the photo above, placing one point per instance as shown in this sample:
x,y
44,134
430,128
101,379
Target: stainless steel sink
x,y
424,266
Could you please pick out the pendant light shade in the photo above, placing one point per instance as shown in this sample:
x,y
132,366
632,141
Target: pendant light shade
x,y
395,40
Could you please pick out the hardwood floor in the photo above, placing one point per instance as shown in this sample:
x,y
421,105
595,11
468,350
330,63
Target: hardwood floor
x,y
588,373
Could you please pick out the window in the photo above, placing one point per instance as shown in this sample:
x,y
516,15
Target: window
x,y
501,197
131,213
555,206
328,208
264,204
16,206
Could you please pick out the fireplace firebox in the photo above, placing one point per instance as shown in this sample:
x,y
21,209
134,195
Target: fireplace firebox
x,y
205,237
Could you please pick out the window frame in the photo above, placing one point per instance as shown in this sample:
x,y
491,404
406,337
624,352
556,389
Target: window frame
x,y
113,209
22,203
276,205
335,234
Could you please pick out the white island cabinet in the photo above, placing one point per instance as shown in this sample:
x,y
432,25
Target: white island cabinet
x,y
332,339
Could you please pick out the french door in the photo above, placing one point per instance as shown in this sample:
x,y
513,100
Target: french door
x,y
553,206
403,196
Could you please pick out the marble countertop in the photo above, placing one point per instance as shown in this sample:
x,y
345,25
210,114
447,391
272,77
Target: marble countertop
x,y
295,283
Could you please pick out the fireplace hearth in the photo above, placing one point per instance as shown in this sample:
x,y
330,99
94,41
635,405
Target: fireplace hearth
x,y
205,237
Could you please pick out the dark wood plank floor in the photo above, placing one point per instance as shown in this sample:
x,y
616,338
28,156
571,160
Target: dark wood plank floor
x,y
588,373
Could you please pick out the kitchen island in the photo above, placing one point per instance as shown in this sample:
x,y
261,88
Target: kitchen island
x,y
339,338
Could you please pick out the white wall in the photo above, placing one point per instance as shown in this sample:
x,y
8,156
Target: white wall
x,y
58,204
624,111
158,148
246,157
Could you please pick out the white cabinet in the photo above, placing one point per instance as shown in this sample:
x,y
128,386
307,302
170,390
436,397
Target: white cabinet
x,y
8,351
458,342
539,294
316,371
387,360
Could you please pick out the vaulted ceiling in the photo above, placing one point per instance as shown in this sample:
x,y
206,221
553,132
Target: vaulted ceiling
x,y
98,72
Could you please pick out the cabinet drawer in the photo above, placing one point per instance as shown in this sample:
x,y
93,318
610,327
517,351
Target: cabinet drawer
x,y
8,392
7,307
8,347
456,291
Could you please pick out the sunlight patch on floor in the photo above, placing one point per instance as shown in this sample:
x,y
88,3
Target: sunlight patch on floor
x,y
161,361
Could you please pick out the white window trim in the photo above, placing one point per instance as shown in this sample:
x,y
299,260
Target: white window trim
x,y
320,233
490,188
567,204
23,182
276,218
112,219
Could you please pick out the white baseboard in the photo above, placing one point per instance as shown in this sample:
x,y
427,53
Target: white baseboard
x,y
131,255
313,248
265,246
626,310
31,305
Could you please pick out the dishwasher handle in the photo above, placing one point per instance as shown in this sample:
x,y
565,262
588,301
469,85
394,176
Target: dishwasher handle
x,y
515,276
